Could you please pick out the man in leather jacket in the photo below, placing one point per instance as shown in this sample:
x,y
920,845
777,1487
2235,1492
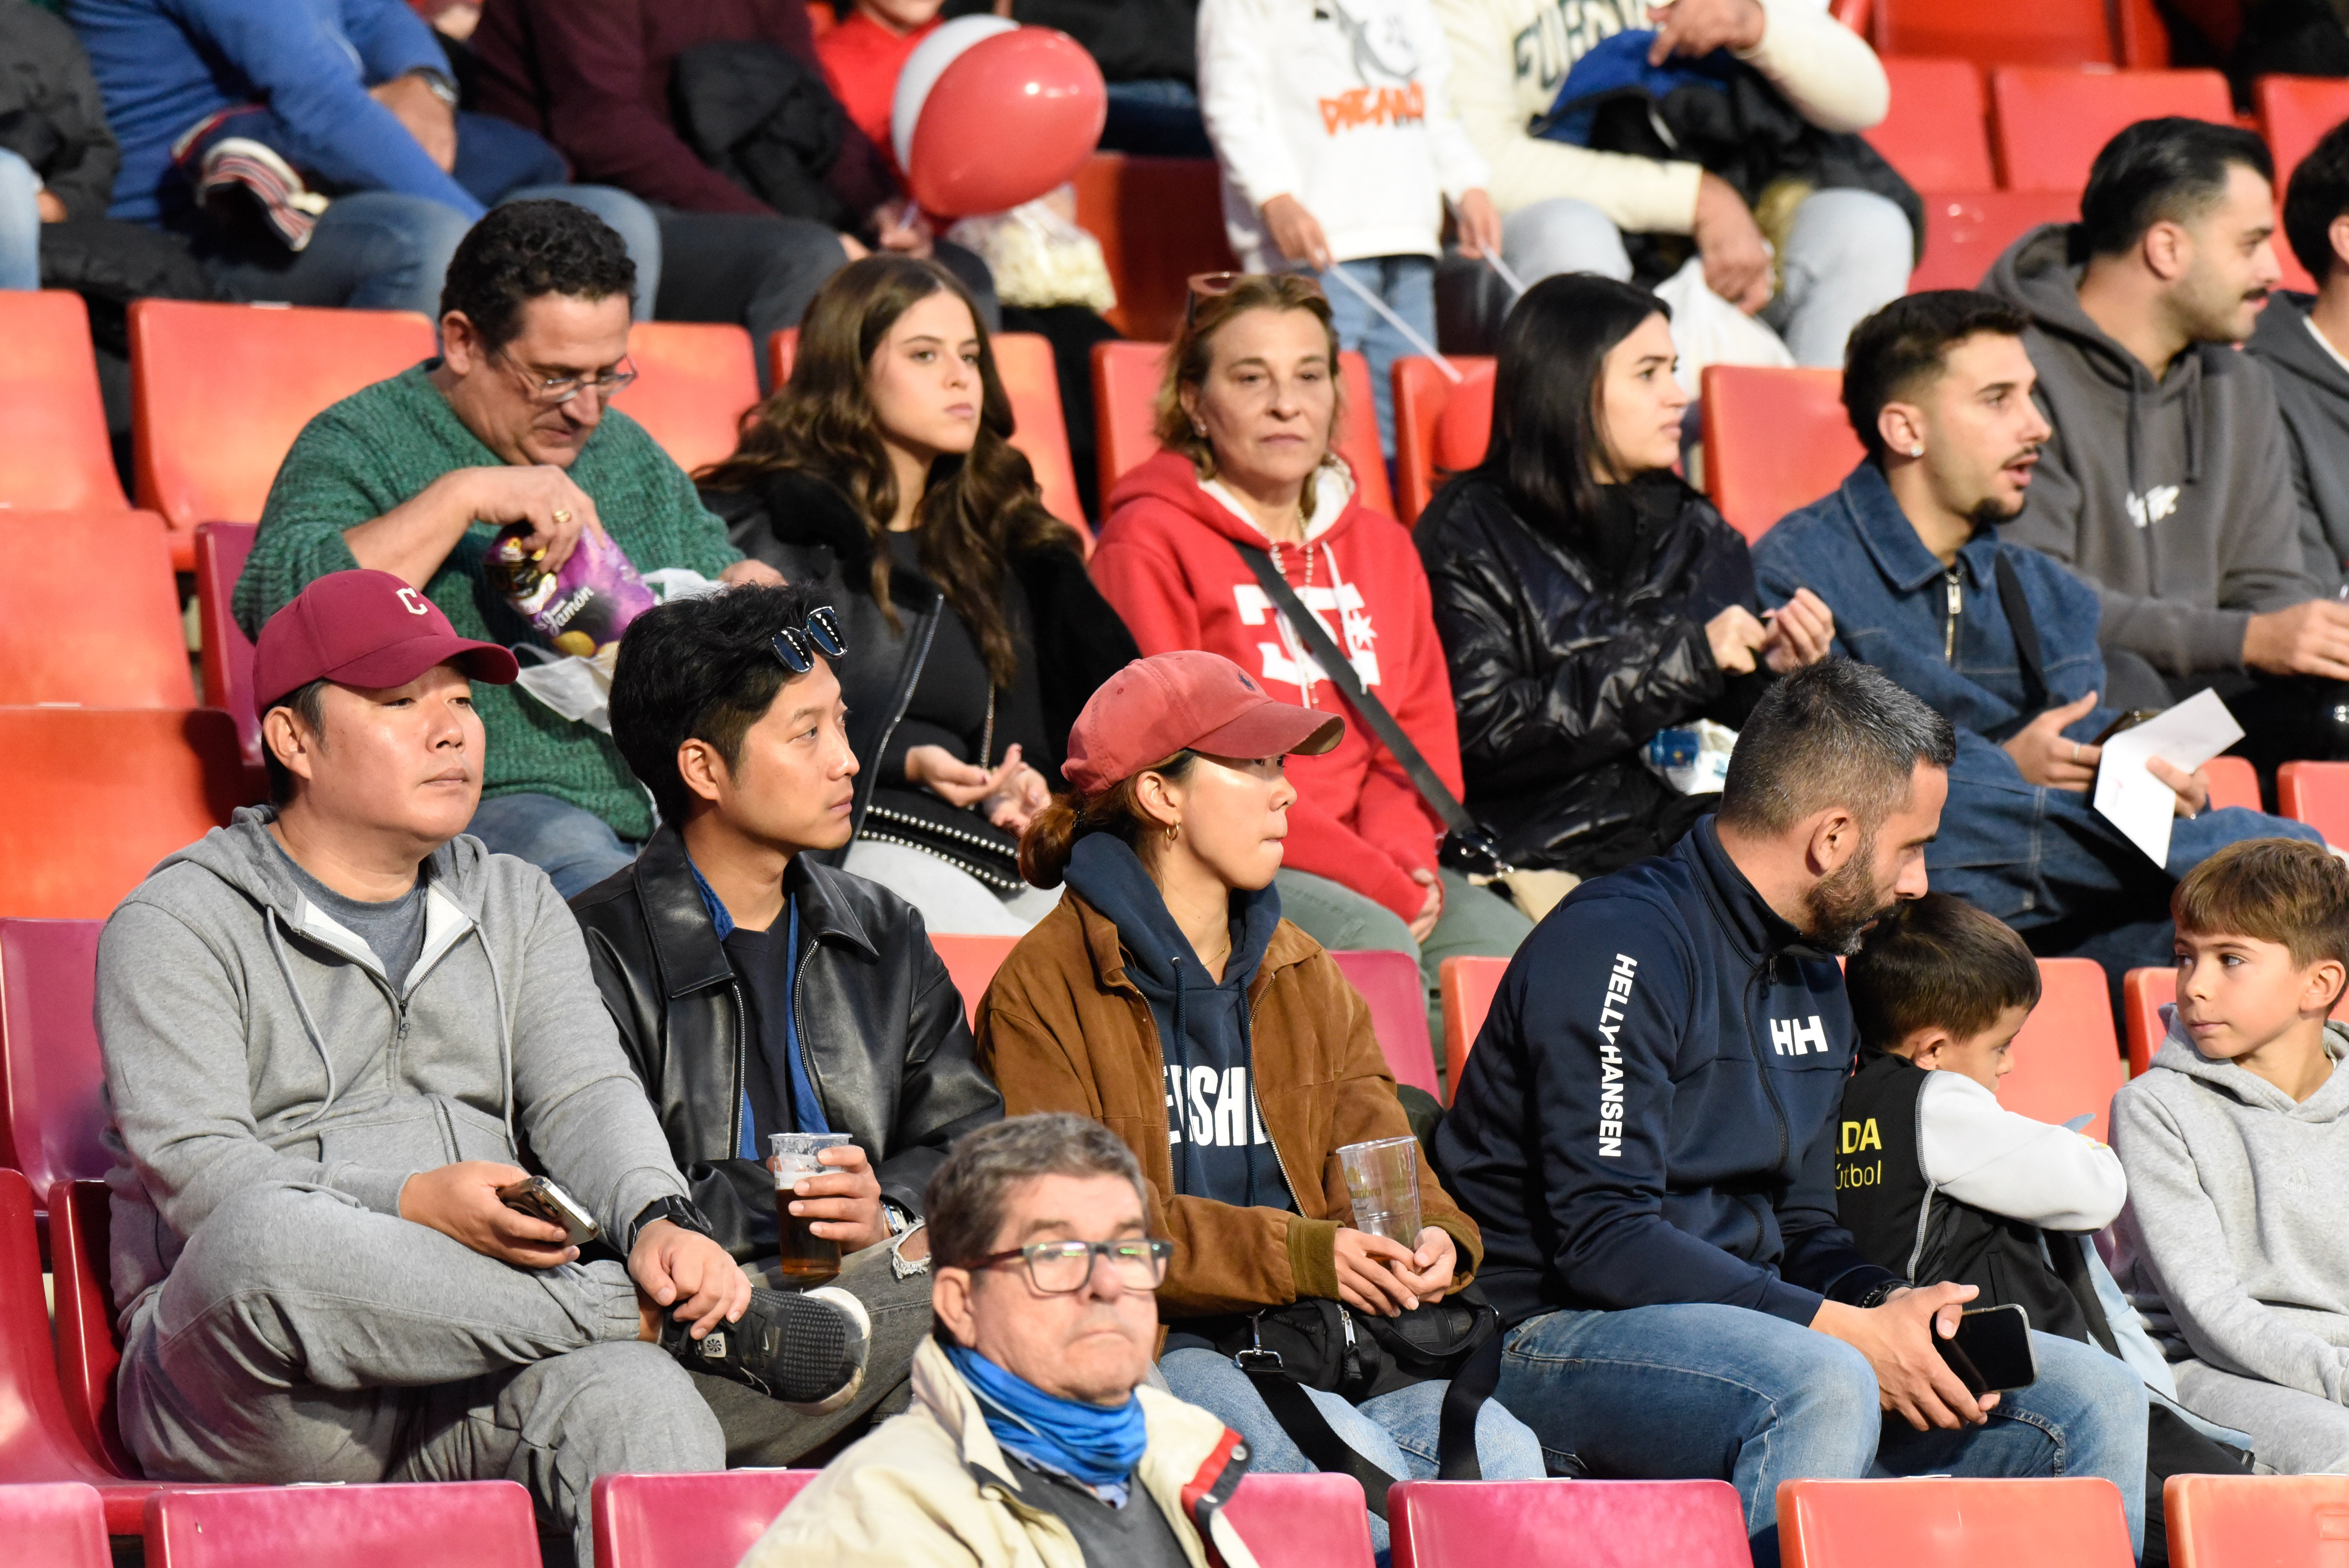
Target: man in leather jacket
x,y
757,991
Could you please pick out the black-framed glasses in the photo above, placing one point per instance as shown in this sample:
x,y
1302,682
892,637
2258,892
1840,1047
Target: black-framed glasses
x,y
1061,1268
555,390
1216,285
798,646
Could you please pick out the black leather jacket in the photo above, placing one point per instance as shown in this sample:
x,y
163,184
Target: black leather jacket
x,y
1561,677
883,1031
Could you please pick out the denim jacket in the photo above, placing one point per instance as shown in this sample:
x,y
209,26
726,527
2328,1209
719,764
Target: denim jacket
x,y
2006,845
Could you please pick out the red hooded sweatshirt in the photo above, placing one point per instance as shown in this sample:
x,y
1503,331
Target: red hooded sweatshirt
x,y
1165,562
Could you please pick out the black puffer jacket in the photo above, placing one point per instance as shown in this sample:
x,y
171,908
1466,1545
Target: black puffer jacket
x,y
51,115
887,1041
1561,674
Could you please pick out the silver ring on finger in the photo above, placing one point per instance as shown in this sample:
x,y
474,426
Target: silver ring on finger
x,y
2075,751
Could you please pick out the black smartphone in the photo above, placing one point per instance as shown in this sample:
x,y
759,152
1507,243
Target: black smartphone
x,y
2128,720
1991,1352
543,1199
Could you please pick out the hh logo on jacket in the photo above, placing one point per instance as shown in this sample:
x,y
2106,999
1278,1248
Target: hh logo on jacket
x,y
1214,1106
1285,658
1791,1038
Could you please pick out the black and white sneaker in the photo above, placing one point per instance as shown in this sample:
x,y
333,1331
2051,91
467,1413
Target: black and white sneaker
x,y
806,1348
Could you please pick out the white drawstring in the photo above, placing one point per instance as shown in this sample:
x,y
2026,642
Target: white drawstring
x,y
1517,284
1411,335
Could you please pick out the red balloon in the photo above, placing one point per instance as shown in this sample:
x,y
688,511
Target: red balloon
x,y
1013,117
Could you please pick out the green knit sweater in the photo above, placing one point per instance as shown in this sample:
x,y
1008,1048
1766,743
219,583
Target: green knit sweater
x,y
381,447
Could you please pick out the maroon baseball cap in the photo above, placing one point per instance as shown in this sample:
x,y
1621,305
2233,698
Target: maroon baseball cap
x,y
1188,701
363,629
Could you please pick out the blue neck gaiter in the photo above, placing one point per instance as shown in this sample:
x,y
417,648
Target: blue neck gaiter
x,y
1098,1446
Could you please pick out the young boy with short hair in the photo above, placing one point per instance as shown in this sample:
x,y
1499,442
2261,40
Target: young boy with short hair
x,y
2237,1149
1937,1182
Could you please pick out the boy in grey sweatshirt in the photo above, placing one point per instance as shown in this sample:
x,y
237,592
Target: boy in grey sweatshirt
x,y
2236,1145
332,1032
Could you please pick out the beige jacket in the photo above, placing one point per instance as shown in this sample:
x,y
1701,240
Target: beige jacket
x,y
932,1488
1508,57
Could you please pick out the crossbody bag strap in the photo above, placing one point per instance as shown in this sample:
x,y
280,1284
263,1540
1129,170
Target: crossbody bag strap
x,y
2026,634
1340,671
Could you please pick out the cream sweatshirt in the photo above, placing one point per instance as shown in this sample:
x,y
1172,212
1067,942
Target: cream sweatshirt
x,y
1510,55
1344,105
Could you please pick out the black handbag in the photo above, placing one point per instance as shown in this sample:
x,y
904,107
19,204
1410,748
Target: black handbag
x,y
1321,1343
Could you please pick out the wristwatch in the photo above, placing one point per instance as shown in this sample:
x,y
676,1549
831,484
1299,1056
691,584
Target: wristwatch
x,y
1881,1293
678,1211
438,81
900,1220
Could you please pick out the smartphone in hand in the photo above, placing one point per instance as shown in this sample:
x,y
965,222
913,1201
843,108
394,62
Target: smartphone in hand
x,y
1991,1352
543,1199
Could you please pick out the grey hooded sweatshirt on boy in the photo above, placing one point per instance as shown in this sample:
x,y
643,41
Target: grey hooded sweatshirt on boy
x,y
2232,1245
2175,496
2312,386
249,1039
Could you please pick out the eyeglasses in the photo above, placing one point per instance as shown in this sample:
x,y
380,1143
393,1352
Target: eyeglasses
x,y
1216,285
1062,1268
555,390
798,646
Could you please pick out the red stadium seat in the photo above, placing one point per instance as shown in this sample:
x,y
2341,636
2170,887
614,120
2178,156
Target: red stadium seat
x,y
1966,231
94,797
1040,430
1431,442
2316,793
2257,1521
80,1225
688,1521
1302,1521
2050,123
2066,1061
1468,985
220,391
57,456
52,1082
782,349
2144,994
1125,388
2294,114
1996,32
695,380
1774,440
226,655
59,1525
1937,133
2233,782
89,614
1939,1522
971,963
1159,221
449,1524
1609,1523
1391,984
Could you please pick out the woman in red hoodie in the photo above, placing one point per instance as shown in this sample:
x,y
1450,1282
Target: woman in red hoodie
x,y
1246,420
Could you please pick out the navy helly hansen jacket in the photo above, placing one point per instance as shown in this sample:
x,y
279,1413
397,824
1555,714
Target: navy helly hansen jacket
x,y
1646,1117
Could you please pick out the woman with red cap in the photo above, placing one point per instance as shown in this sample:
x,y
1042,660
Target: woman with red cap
x,y
1166,998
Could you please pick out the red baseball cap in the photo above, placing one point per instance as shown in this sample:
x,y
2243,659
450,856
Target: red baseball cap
x,y
363,629
1188,701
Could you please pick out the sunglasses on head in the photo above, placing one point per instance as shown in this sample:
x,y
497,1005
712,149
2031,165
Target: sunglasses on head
x,y
1216,285
798,646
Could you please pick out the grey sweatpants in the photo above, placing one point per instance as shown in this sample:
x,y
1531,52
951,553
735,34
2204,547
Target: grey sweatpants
x,y
302,1337
2291,1433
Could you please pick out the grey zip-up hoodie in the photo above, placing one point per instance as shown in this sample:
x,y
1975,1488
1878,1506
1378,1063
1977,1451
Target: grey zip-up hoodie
x,y
249,1038
2232,1245
2312,387
2174,497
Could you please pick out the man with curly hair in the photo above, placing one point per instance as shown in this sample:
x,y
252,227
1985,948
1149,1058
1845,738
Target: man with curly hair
x,y
511,425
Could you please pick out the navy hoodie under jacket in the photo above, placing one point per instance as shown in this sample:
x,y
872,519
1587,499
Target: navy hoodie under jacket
x,y
1645,1117
1221,1149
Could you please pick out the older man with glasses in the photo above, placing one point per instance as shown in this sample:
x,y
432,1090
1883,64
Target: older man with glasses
x,y
1031,1437
511,425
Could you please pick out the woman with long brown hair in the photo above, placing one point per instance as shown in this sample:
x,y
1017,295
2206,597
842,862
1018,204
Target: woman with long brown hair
x,y
884,467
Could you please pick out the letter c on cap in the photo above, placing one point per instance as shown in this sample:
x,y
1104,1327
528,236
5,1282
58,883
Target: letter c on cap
x,y
413,600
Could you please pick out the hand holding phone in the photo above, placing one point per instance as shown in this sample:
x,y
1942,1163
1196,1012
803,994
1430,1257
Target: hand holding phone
x,y
462,1202
540,1199
1991,1352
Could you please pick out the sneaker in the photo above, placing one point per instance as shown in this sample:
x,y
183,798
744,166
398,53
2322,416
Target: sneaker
x,y
806,1348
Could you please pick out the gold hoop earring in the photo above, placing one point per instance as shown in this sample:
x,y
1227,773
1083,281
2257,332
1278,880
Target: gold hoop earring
x,y
1173,832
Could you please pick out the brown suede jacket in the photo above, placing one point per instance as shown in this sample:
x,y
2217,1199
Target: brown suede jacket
x,y
1062,1028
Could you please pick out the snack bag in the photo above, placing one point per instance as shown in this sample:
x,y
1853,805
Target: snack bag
x,y
580,608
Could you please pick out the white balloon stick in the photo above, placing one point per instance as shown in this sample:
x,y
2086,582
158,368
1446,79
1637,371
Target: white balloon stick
x,y
1408,331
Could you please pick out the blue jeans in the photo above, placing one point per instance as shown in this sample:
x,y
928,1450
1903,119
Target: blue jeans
x,y
575,847
20,223
1845,258
1407,285
1396,1432
379,250
1696,1392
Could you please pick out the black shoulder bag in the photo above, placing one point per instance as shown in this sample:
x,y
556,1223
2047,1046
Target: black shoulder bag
x,y
2027,656
1468,846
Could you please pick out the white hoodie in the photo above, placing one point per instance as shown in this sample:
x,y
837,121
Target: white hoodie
x,y
1344,105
